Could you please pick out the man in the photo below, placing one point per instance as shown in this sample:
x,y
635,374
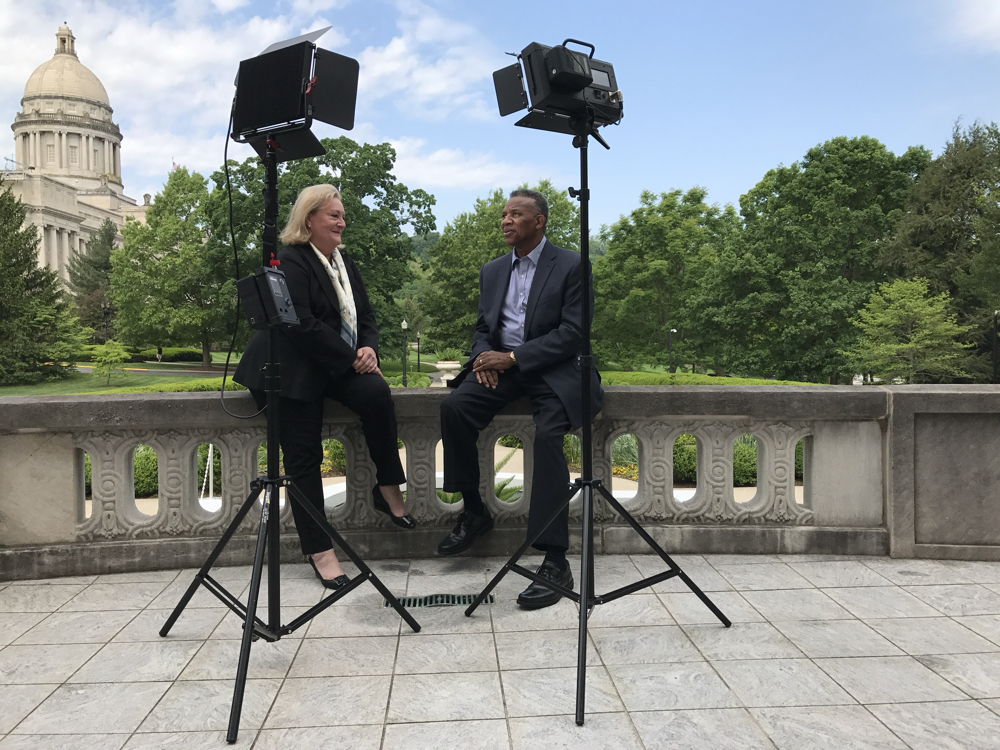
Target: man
x,y
527,342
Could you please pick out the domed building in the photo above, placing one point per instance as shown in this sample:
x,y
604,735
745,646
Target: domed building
x,y
67,153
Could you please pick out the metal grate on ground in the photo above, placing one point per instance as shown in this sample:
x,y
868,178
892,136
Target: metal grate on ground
x,y
441,600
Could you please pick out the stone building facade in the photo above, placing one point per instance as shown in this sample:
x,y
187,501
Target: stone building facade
x,y
67,157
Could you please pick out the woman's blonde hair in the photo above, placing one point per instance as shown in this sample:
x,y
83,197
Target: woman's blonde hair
x,y
309,201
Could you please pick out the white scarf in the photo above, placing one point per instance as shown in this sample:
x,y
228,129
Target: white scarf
x,y
337,272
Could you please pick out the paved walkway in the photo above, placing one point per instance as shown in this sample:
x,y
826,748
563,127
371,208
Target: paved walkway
x,y
824,653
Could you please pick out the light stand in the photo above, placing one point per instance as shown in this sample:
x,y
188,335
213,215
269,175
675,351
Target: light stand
x,y
582,126
269,308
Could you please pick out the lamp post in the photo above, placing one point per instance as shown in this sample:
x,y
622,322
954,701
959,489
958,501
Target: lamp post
x,y
105,311
996,333
670,348
418,351
404,353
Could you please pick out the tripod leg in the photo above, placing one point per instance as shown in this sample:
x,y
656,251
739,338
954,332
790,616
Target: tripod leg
x,y
221,545
586,597
248,624
296,496
517,556
663,555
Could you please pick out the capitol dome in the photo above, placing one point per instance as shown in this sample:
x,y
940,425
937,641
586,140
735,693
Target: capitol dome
x,y
64,75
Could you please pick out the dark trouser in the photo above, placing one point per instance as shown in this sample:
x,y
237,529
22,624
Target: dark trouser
x,y
301,427
471,406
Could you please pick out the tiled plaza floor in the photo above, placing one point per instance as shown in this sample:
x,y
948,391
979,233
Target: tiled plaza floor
x,y
824,653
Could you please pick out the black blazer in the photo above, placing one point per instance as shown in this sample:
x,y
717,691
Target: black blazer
x,y
312,353
553,334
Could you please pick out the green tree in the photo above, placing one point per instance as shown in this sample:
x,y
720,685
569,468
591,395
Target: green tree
x,y
39,334
470,241
950,232
90,276
377,206
166,281
907,335
654,260
784,288
109,360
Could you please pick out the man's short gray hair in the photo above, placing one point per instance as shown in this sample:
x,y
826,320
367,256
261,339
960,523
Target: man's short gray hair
x,y
541,205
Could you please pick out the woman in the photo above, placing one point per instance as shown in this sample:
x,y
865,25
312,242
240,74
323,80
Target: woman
x,y
332,353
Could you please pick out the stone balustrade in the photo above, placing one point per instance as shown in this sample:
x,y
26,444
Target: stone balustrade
x,y
908,470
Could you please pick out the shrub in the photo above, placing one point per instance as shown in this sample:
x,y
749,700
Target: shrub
x,y
413,380
146,476
679,378
685,460
798,460
334,459
510,441
572,450
108,360
87,490
745,461
451,354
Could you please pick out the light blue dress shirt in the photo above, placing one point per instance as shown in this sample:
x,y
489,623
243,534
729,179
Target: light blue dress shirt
x,y
515,304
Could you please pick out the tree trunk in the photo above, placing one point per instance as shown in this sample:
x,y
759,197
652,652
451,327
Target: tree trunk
x,y
206,355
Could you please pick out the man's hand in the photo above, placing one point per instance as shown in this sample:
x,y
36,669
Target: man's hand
x,y
366,361
488,366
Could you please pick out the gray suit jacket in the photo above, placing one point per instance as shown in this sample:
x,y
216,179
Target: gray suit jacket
x,y
553,334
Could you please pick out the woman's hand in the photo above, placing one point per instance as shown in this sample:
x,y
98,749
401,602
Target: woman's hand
x,y
366,361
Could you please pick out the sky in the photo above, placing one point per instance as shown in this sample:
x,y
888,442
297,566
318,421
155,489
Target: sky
x,y
716,92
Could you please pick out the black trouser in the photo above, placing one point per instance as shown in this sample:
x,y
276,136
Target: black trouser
x,y
471,406
300,436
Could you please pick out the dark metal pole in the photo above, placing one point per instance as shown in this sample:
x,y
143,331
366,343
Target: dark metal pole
x,y
587,441
670,350
418,351
404,354
996,371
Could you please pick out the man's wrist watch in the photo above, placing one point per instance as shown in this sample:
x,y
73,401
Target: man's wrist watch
x,y
513,358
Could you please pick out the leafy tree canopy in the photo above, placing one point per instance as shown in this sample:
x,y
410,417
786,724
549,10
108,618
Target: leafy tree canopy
x,y
909,336
169,283
807,259
39,333
90,276
654,260
950,232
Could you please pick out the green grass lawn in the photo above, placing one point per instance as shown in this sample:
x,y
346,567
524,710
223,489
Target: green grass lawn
x,y
80,383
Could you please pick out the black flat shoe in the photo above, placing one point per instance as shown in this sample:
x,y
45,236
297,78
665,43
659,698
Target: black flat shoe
x,y
538,595
404,522
466,531
331,583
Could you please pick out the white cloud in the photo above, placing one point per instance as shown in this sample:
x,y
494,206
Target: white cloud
x,y
978,21
454,168
225,6
308,7
434,67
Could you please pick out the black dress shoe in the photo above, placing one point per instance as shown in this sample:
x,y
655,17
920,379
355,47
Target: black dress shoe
x,y
404,522
538,595
331,583
468,528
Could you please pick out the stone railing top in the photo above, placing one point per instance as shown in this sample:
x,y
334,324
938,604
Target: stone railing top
x,y
20,414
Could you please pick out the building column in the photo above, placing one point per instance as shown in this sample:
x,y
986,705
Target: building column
x,y
118,160
64,256
65,150
87,158
41,246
